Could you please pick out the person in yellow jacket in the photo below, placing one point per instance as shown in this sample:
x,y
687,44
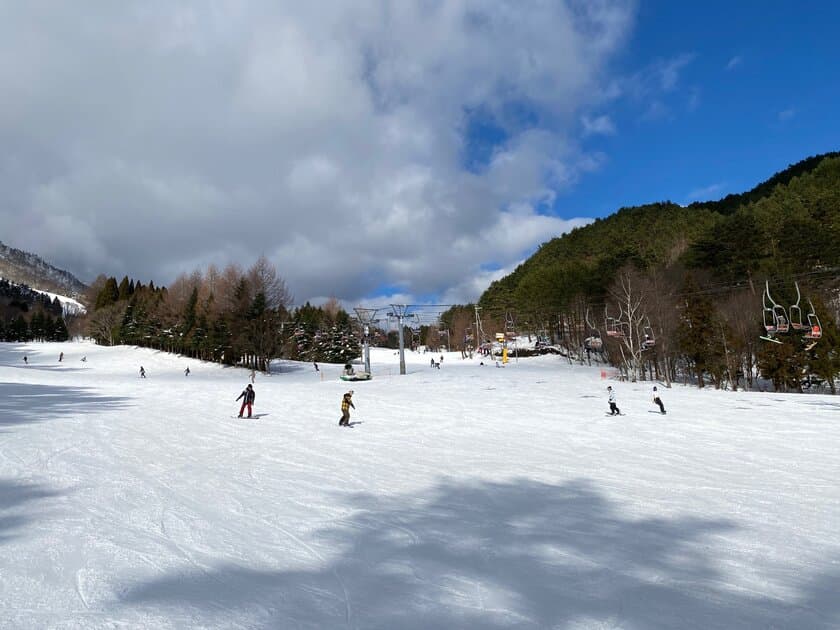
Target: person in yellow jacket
x,y
346,403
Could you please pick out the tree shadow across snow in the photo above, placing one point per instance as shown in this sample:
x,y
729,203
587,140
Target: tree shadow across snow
x,y
521,554
14,497
22,403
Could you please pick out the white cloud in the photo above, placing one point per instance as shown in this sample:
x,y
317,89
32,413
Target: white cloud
x,y
143,139
734,62
786,114
706,193
599,125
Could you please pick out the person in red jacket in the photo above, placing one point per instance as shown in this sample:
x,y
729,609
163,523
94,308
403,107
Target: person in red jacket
x,y
247,397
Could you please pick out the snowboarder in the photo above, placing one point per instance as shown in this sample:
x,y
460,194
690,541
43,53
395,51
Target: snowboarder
x,y
187,371
658,400
60,357
346,403
247,397
614,410
142,372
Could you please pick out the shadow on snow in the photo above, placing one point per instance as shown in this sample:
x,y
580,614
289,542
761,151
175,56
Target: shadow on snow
x,y
22,403
14,496
499,555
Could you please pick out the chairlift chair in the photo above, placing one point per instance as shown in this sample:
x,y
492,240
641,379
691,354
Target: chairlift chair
x,y
814,329
613,325
593,341
795,312
775,316
649,341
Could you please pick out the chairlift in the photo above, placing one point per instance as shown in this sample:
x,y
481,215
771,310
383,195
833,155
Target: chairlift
x,y
795,312
648,340
593,341
775,316
814,328
612,325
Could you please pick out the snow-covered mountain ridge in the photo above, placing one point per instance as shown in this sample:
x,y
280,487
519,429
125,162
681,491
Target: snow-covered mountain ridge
x,y
30,269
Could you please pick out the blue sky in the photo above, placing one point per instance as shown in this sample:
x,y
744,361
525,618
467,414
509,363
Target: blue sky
x,y
756,86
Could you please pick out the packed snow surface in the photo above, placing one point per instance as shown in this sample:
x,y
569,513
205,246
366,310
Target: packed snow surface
x,y
467,497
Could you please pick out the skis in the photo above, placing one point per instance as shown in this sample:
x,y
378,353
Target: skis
x,y
770,339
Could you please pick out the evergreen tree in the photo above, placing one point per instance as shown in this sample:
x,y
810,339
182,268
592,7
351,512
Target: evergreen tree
x,y
698,332
109,294
59,330
124,290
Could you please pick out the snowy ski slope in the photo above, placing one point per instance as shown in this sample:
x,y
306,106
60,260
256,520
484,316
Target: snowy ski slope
x,y
469,497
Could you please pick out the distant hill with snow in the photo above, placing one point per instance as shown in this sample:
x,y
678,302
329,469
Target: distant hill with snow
x,y
29,269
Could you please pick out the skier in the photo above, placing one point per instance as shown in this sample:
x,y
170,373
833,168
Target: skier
x,y
346,403
253,376
187,371
25,360
142,372
60,357
614,410
315,363
247,397
658,400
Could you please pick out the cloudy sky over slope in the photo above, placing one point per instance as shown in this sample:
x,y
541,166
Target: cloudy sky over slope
x,y
369,149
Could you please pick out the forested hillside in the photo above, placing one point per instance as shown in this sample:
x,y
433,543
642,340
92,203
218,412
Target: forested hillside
x,y
667,291
27,315
234,316
23,267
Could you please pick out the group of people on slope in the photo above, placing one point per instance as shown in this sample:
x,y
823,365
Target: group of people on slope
x,y
615,411
248,396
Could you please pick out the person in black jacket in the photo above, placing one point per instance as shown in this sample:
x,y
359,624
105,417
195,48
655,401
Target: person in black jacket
x,y
247,397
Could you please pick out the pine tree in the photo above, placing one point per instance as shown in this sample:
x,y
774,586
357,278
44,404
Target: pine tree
x,y
698,333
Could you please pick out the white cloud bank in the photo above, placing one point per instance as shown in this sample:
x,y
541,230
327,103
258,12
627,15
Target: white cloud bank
x,y
149,138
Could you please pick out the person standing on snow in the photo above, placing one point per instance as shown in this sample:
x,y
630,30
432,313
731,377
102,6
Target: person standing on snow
x,y
346,403
614,410
247,397
187,371
658,400
142,372
60,357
